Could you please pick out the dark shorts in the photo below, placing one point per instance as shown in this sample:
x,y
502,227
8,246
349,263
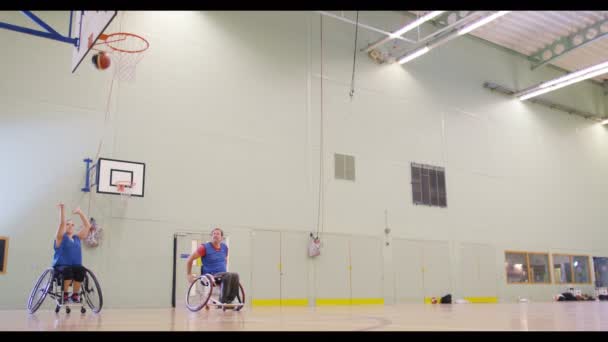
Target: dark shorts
x,y
74,272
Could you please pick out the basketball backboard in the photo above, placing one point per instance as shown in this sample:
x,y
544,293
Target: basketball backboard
x,y
84,30
87,26
108,175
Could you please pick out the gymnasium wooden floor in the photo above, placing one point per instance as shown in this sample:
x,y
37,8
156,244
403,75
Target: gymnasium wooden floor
x,y
402,317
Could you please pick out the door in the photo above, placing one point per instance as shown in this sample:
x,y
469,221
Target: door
x,y
332,271
367,270
469,270
185,244
239,259
488,277
266,281
294,268
436,268
478,271
407,266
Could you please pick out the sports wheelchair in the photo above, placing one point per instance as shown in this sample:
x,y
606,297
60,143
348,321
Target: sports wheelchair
x,y
51,283
201,294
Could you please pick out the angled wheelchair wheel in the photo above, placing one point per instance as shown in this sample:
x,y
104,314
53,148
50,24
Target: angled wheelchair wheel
x,y
40,290
240,298
199,293
92,291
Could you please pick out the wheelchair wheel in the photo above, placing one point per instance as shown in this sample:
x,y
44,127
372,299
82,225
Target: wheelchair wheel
x,y
198,293
92,291
40,290
240,297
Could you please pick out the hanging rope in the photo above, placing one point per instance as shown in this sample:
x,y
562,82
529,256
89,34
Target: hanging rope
x,y
352,82
321,156
105,122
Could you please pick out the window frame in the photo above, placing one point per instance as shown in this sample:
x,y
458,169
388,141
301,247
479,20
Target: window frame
x,y
529,278
571,259
5,259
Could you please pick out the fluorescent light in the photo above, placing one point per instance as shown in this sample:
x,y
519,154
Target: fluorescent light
x,y
583,77
604,122
481,22
414,54
574,74
415,23
453,35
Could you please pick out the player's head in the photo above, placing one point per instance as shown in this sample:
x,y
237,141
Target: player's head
x,y
69,227
217,234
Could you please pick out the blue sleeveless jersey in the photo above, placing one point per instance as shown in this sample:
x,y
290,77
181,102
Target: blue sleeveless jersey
x,y
214,261
69,251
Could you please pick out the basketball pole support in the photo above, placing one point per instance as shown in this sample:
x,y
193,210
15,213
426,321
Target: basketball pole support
x,y
49,32
87,183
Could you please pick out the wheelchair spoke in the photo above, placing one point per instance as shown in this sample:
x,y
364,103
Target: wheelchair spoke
x,y
40,290
198,294
92,291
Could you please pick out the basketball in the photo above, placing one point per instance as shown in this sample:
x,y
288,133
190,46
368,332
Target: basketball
x,y
101,60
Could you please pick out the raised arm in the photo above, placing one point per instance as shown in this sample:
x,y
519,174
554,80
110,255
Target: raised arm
x,y
191,258
61,229
86,226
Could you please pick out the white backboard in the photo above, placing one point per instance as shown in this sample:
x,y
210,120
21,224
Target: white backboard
x,y
87,26
112,171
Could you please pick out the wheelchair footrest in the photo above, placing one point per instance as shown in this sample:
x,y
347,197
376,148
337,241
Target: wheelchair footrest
x,y
70,304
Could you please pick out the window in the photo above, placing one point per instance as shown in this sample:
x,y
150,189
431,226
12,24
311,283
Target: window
x,y
581,269
562,269
344,167
527,267
539,268
428,185
517,267
571,269
3,253
600,265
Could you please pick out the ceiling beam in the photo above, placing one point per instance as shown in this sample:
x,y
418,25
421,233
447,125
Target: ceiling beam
x,y
566,44
452,34
368,27
410,26
570,110
450,20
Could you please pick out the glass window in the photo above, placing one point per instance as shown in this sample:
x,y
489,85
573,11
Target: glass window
x,y
539,268
580,264
428,185
600,265
562,268
516,265
3,253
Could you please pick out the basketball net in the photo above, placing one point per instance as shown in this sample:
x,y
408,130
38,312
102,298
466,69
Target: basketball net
x,y
125,189
126,50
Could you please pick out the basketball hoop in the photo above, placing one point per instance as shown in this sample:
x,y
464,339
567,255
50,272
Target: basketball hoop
x,y
125,189
125,49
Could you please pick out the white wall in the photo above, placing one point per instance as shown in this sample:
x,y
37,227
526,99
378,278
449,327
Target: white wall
x,y
225,113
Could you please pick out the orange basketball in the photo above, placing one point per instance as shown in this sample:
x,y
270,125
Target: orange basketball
x,y
101,60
